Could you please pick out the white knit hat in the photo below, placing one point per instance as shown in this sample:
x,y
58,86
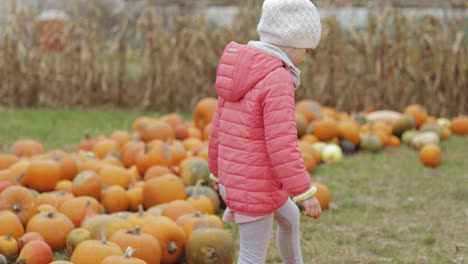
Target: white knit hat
x,y
291,23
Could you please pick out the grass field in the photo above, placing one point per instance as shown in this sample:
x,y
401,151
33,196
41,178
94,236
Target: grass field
x,y
386,207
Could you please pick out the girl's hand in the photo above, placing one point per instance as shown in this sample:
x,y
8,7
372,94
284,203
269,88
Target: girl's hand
x,y
312,207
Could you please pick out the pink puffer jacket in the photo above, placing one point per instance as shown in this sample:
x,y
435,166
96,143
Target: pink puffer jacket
x,y
253,142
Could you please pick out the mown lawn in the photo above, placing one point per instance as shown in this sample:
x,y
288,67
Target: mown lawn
x,y
386,207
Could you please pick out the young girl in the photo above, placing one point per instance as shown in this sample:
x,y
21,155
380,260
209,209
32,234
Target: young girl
x,y
253,150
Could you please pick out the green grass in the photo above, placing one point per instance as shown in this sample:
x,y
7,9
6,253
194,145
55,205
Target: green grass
x,y
386,207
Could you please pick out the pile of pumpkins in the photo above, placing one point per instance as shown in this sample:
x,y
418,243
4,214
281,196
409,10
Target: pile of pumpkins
x,y
333,133
130,197
117,198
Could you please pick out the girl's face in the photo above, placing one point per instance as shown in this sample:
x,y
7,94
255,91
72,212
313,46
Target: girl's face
x,y
296,55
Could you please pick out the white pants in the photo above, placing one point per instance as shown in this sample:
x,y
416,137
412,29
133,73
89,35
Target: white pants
x,y
255,236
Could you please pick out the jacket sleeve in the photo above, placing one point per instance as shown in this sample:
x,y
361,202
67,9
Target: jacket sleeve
x,y
279,122
213,142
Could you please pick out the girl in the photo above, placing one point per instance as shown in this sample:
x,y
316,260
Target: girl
x,y
253,150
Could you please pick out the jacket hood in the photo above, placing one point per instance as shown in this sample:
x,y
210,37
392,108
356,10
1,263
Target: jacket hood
x,y
240,68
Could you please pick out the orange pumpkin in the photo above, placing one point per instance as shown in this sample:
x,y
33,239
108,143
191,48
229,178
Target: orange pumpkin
x,y
173,119
202,204
20,201
121,137
67,164
194,133
431,155
55,198
125,259
113,175
418,112
323,195
27,148
459,125
61,262
177,208
7,175
139,218
41,175
135,198
324,129
87,143
178,152
204,111
158,153
156,171
76,209
349,131
311,139
132,149
199,189
19,168
105,146
192,143
158,130
162,190
53,227
310,109
191,222
10,225
64,185
35,252
309,162
394,141
114,199
6,160
141,123
171,238
87,183
147,247
46,208
100,249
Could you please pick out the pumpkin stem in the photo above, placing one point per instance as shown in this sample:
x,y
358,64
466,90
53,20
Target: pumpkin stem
x,y
103,237
199,182
16,207
21,176
135,231
140,210
210,252
198,214
50,214
172,247
129,252
9,236
87,136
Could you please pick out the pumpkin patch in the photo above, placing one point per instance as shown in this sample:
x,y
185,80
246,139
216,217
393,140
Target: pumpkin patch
x,y
117,198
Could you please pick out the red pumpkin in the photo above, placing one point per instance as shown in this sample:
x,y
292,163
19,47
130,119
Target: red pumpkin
x,y
35,252
28,237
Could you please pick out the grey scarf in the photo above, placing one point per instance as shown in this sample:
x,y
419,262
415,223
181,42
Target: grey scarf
x,y
278,53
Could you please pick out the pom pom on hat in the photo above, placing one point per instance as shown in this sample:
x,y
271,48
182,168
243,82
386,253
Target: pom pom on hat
x,y
291,23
